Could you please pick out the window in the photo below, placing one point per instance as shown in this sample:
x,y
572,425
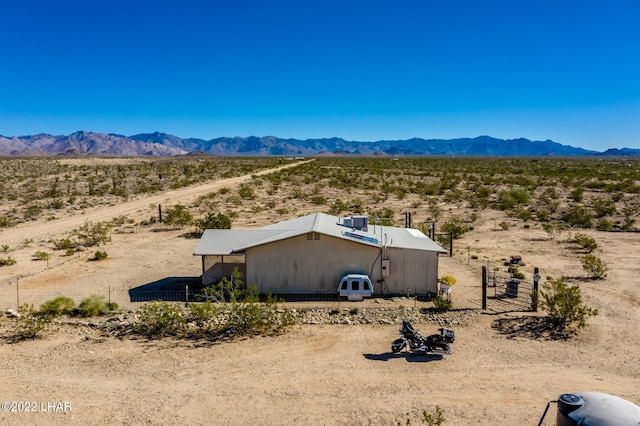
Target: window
x,y
344,285
355,285
366,285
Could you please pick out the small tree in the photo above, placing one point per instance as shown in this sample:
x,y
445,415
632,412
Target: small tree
x,y
594,266
455,226
564,306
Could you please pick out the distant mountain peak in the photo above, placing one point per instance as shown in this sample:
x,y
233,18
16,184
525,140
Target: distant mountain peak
x,y
158,143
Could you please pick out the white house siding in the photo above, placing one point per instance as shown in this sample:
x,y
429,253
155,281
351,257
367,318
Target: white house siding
x,y
309,266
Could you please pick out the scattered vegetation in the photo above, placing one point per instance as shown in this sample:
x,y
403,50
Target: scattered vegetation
x,y
434,418
8,261
231,310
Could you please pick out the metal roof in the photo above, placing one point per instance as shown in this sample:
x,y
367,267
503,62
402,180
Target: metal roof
x,y
231,241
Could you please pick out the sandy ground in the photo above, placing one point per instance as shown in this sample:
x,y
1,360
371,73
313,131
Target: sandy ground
x,y
502,370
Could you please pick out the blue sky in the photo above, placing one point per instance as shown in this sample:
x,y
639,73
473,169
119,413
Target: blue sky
x,y
361,70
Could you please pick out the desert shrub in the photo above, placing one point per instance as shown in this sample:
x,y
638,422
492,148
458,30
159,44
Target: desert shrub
x,y
42,255
6,222
577,194
435,418
594,266
91,234
63,244
628,213
604,225
384,217
442,303
4,248
29,325
59,306
319,200
242,311
513,198
338,207
504,225
159,318
454,226
246,192
515,272
578,216
564,306
93,306
212,221
586,242
177,215
99,255
203,312
553,229
8,261
603,206
354,311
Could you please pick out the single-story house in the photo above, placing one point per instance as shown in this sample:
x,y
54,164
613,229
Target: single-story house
x,y
309,255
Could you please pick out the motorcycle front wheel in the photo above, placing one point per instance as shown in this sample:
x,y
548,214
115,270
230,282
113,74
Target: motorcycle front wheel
x,y
398,345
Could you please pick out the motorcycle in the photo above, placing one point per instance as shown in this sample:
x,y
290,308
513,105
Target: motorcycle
x,y
435,344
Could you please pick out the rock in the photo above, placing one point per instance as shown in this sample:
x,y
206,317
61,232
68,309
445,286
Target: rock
x,y
11,313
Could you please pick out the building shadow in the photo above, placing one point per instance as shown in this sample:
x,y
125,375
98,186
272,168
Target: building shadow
x,y
169,289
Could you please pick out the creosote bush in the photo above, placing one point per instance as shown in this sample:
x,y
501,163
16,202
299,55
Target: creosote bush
x,y
594,266
59,306
160,318
100,255
564,306
586,242
93,306
231,310
29,325
7,261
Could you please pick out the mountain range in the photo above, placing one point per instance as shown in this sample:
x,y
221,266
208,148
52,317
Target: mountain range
x,y
83,143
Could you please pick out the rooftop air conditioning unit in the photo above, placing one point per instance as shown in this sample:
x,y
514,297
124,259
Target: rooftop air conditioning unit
x,y
360,222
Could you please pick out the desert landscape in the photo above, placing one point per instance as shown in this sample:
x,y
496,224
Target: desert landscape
x,y
505,365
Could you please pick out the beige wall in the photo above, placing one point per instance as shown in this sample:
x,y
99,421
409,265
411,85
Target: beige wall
x,y
302,265
309,266
411,271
